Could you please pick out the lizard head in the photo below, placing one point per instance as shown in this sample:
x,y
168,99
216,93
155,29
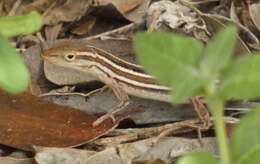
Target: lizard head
x,y
68,55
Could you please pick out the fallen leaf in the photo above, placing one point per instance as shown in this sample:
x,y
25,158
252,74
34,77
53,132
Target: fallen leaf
x,y
127,6
40,6
245,14
69,11
254,10
166,150
133,10
68,156
10,160
1,8
216,22
52,32
85,27
27,120
8,4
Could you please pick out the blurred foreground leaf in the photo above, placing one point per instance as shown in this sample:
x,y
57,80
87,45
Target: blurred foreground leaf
x,y
198,158
241,79
17,25
173,60
14,76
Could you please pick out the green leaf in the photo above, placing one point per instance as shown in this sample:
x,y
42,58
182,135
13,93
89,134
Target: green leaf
x,y
217,53
241,79
14,76
198,158
172,59
185,88
17,25
252,156
246,135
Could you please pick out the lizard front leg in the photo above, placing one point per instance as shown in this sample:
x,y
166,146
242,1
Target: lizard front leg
x,y
123,99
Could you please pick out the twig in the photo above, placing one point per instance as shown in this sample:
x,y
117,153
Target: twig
x,y
14,8
118,30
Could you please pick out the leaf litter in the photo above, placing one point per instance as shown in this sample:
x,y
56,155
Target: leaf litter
x,y
49,131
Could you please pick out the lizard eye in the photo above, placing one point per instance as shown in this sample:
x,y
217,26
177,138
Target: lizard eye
x,y
70,57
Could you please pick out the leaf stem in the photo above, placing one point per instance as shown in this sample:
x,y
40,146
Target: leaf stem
x,y
217,109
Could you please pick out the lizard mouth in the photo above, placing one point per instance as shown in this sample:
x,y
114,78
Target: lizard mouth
x,y
44,57
48,59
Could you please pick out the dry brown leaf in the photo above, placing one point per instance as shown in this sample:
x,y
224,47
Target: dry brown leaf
x,y
10,160
233,14
68,156
39,5
216,23
133,10
15,6
27,120
1,8
167,150
33,61
8,4
255,14
69,11
85,27
52,32
127,6
240,13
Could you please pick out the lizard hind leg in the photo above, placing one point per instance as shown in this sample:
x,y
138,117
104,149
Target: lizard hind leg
x,y
123,99
202,112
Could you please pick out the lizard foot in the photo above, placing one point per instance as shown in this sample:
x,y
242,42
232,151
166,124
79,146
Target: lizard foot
x,y
103,118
